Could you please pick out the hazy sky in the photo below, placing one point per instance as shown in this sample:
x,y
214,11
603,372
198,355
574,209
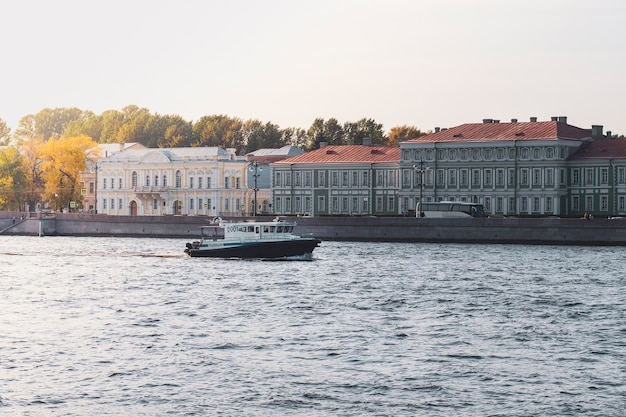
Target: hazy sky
x,y
423,63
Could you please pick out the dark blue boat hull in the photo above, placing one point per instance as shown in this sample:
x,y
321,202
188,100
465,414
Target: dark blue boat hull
x,y
260,250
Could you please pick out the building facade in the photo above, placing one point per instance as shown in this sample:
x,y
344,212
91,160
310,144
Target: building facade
x,y
173,181
337,180
513,169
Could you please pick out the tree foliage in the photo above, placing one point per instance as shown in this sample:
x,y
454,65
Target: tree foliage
x,y
49,123
401,133
5,133
12,179
63,160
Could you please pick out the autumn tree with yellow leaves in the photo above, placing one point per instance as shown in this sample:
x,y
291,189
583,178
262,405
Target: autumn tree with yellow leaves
x,y
62,161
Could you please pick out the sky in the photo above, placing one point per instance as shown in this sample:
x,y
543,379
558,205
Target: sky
x,y
421,63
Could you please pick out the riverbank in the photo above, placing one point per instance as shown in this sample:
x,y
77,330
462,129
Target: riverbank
x,y
543,231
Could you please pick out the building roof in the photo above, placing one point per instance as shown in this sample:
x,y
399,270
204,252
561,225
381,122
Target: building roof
x,y
285,151
601,149
519,131
346,154
175,154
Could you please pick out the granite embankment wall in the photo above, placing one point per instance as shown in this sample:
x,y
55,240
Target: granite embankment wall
x,y
399,229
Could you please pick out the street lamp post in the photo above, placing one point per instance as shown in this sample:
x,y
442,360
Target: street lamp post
x,y
421,170
255,168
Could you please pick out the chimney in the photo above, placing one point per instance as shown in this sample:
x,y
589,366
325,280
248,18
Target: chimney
x,y
437,129
487,121
596,131
609,134
563,119
323,144
554,119
513,120
533,119
349,141
367,141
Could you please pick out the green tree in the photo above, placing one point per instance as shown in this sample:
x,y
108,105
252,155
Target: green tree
x,y
12,179
295,136
49,123
218,130
365,128
329,131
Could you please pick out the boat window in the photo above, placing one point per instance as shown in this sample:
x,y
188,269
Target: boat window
x,y
279,229
242,228
251,229
288,229
272,229
265,229
257,230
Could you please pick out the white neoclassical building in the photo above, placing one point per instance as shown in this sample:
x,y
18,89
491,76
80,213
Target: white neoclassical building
x,y
207,181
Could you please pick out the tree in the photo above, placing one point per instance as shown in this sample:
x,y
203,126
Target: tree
x,y
49,123
295,136
33,176
12,179
5,133
63,161
219,130
401,133
365,128
330,132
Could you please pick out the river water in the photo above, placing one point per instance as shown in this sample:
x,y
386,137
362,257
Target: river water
x,y
132,327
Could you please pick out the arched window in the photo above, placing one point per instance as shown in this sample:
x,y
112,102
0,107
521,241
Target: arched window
x,y
179,178
133,179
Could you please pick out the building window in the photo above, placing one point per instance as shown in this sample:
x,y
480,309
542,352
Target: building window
x,y
488,204
119,183
452,177
536,204
511,177
562,174
511,207
297,179
307,204
488,154
288,179
298,204
355,178
133,179
576,176
441,180
112,204
238,182
549,204
366,178
524,176
475,177
179,179
621,175
379,204
335,179
147,181
589,176
621,204
476,154
549,176
307,179
464,178
488,177
321,178
575,203
208,182
344,178
226,182
112,183
499,204
191,204
164,180
155,204
380,178
104,203
525,153
549,153
604,203
344,204
91,187
390,203
604,175
120,205
406,177
278,180
199,182
500,177
589,203
536,176
524,205
537,153
190,182
335,203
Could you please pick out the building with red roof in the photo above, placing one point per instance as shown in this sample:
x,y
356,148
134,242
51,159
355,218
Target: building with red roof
x,y
338,180
517,168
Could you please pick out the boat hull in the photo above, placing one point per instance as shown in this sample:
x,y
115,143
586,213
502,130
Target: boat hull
x,y
294,248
